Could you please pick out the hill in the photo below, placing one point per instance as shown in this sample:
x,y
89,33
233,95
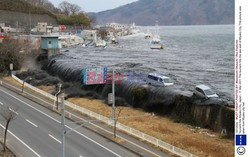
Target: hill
x,y
171,12
23,14
22,6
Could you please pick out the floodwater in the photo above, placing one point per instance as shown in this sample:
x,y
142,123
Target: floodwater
x,y
192,55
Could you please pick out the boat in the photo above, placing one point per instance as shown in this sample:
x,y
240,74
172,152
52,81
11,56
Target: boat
x,y
156,43
114,40
100,43
148,35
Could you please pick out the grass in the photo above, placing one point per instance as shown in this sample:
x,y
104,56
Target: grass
x,y
201,142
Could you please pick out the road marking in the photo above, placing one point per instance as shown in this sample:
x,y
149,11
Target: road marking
x,y
21,142
60,123
13,111
81,118
120,137
55,139
31,123
1,103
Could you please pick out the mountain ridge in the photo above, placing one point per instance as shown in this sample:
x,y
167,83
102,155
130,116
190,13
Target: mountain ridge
x,y
171,12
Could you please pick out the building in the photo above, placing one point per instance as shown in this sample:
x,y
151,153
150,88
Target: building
x,y
50,45
89,35
42,27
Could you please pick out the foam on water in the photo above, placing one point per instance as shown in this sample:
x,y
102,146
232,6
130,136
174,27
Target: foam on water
x,y
192,55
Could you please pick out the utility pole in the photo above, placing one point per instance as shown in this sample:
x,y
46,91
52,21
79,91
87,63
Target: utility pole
x,y
63,125
113,102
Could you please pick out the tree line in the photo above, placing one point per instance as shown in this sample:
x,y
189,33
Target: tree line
x,y
66,13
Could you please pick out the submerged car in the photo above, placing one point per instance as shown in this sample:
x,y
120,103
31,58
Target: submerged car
x,y
159,80
203,91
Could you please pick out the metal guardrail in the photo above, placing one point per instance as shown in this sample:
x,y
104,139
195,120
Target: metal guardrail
x,y
129,130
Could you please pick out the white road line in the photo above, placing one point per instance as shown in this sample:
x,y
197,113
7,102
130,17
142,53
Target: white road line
x,y
1,103
13,111
21,142
55,139
60,123
31,123
95,125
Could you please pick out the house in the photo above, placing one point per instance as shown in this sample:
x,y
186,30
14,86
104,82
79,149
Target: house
x,y
42,27
89,35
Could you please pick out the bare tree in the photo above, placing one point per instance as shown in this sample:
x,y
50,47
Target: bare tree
x,y
116,118
8,115
74,9
65,7
68,8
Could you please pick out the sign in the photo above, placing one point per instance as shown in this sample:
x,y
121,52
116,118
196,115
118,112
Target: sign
x,y
11,67
94,76
110,98
62,27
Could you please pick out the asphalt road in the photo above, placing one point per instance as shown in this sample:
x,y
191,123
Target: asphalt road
x,y
37,132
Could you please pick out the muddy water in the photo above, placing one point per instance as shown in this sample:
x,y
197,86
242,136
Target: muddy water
x,y
192,55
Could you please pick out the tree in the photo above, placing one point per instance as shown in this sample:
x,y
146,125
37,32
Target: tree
x,y
116,119
65,7
68,8
10,53
74,9
8,115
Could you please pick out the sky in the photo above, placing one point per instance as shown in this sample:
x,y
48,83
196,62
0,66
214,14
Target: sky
x,y
95,5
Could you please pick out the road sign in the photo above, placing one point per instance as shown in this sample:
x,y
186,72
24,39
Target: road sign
x,y
94,76
110,98
11,67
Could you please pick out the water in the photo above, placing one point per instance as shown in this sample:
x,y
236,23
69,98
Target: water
x,y
192,55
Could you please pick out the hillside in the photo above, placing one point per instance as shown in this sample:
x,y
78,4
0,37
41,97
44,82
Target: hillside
x,y
22,6
171,12
24,15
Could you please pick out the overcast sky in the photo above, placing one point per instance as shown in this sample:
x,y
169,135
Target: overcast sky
x,y
95,5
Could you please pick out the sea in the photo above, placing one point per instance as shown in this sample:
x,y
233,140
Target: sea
x,y
192,55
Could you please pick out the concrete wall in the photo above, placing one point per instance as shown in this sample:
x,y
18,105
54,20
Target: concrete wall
x,y
24,20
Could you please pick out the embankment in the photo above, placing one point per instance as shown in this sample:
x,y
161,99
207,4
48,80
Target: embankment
x,y
25,20
180,105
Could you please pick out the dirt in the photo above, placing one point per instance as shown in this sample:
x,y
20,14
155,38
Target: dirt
x,y
202,142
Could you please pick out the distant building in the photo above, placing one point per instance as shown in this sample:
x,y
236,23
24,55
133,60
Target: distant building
x,y
42,27
2,24
89,35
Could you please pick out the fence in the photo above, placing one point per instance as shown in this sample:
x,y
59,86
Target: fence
x,y
131,131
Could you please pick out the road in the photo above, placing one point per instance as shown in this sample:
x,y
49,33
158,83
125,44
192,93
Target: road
x,y
36,132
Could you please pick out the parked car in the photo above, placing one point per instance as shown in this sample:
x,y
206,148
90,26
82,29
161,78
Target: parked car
x,y
158,80
203,91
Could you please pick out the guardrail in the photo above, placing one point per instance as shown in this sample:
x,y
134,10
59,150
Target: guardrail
x,y
129,130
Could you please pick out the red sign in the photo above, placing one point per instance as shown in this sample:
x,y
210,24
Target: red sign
x,y
62,27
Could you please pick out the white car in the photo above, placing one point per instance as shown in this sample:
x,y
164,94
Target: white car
x,y
203,91
158,80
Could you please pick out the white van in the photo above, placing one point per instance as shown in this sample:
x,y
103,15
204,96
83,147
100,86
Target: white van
x,y
158,80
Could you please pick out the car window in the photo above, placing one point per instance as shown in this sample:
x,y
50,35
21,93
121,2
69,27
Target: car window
x,y
168,80
200,90
155,78
161,80
209,92
150,77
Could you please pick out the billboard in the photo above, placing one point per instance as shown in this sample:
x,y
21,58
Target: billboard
x,y
94,76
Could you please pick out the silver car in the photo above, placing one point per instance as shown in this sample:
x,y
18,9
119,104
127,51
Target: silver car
x,y
203,91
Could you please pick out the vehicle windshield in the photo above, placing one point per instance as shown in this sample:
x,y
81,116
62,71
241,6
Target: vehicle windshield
x,y
209,92
167,80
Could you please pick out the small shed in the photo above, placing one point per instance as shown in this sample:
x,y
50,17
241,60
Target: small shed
x,y
49,42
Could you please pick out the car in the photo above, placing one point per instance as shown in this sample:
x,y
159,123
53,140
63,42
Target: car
x,y
204,91
158,80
